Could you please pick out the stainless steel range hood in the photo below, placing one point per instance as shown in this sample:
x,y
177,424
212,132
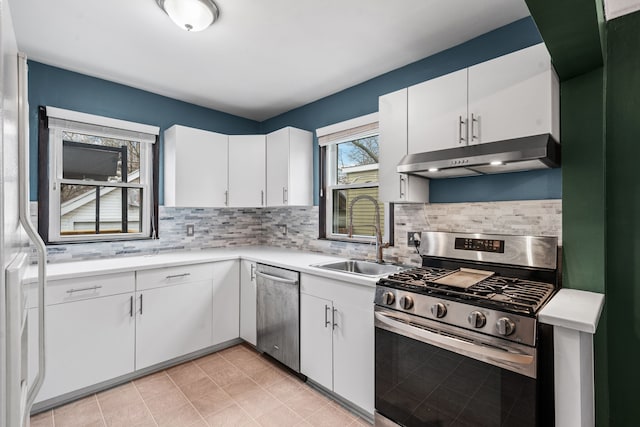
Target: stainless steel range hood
x,y
528,153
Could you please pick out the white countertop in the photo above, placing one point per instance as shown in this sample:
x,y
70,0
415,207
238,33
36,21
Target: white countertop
x,y
573,309
285,258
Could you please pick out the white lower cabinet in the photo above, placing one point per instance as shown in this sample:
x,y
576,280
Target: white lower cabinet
x,y
226,301
248,295
337,337
172,321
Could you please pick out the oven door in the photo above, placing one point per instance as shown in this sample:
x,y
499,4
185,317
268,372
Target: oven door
x,y
431,374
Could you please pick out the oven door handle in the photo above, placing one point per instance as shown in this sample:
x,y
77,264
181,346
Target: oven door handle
x,y
514,361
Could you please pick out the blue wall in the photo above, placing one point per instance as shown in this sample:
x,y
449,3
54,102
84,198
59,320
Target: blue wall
x,y
55,87
65,89
363,99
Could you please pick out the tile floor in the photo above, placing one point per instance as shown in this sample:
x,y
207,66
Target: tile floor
x,y
233,387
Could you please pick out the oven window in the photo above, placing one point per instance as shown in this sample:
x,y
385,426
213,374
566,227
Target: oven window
x,y
418,384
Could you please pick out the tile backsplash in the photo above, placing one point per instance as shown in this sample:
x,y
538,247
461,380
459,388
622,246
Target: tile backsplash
x,y
297,227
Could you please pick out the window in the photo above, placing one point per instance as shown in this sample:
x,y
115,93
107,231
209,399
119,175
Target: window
x,y
99,182
350,165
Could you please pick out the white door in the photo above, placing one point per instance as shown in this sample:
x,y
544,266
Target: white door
x,y
172,321
248,295
247,164
316,352
278,167
511,96
226,301
196,164
87,342
437,113
353,354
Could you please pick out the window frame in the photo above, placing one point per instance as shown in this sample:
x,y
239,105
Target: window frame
x,y
51,145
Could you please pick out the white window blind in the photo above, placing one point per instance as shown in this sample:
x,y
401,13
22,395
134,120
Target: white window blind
x,y
348,130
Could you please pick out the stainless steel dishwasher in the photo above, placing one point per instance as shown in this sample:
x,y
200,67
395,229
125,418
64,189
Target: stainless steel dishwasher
x,y
278,314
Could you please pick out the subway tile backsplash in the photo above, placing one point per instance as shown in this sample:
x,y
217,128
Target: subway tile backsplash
x,y
297,227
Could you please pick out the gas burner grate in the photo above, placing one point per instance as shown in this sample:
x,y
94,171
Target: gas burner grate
x,y
505,293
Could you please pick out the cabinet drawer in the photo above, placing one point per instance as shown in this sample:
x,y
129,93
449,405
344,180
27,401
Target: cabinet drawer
x,y
170,276
81,288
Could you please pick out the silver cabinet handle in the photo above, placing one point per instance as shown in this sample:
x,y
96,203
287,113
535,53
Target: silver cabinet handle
x,y
91,288
402,181
285,195
475,120
141,304
226,197
276,279
262,198
253,272
326,316
461,138
333,318
174,276
131,306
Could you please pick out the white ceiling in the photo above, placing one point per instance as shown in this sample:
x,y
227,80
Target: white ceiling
x,y
261,58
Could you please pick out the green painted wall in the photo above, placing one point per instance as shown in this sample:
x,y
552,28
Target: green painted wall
x,y
623,217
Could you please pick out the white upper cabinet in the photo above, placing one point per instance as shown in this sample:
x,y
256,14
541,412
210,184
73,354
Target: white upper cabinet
x,y
290,167
195,167
437,113
247,173
513,96
393,144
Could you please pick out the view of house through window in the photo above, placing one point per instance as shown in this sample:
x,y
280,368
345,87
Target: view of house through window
x,y
91,207
353,189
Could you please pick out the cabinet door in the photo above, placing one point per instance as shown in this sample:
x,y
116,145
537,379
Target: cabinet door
x,y
513,96
248,302
172,321
247,164
226,301
353,352
278,167
300,190
195,164
395,187
87,342
316,348
437,112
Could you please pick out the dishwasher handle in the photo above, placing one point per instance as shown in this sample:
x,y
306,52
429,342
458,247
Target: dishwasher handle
x,y
276,278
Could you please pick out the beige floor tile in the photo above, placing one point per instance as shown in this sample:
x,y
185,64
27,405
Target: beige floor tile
x,y
360,422
199,388
135,414
215,365
210,403
43,419
208,358
239,352
306,403
181,416
268,376
280,416
186,373
331,415
258,402
84,412
233,416
251,366
285,388
117,397
241,387
225,376
167,402
154,385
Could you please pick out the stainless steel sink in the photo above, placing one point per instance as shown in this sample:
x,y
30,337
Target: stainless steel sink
x,y
363,268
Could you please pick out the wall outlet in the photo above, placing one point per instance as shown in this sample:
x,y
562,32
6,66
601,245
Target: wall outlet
x,y
190,230
412,238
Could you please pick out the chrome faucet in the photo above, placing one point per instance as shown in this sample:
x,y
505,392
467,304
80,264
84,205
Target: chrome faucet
x,y
378,228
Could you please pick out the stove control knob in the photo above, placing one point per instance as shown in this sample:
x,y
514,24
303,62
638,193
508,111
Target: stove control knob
x,y
388,298
438,310
406,302
477,319
505,326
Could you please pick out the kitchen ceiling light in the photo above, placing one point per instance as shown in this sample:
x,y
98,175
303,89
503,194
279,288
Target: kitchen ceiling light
x,y
496,163
190,15
433,169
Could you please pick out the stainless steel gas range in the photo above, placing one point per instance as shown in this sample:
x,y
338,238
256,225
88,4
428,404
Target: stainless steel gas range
x,y
457,340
